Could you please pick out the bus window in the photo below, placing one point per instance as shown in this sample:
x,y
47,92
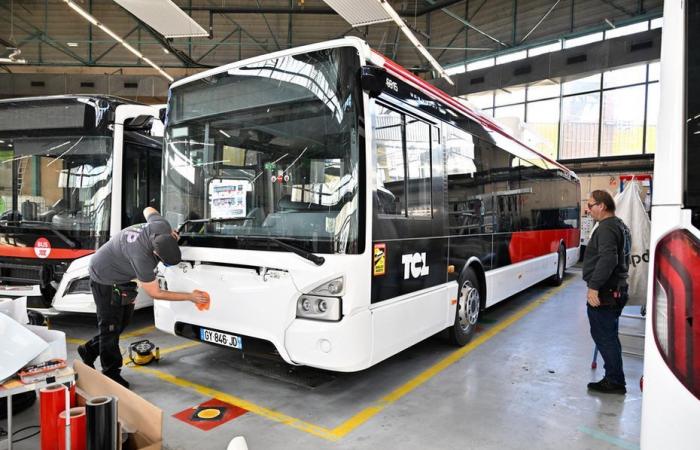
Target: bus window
x,y
419,177
391,170
463,191
692,95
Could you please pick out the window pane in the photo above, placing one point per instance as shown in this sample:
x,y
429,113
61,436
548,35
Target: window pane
x,y
543,117
516,56
459,147
624,77
622,122
511,111
390,164
418,160
579,126
542,49
656,23
626,30
583,40
455,70
510,96
481,100
591,83
652,116
480,64
546,89
654,71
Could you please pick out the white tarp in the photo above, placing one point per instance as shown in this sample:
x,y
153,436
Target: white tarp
x,y
15,308
629,208
19,346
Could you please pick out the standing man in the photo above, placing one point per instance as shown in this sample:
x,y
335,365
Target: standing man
x,y
132,253
605,266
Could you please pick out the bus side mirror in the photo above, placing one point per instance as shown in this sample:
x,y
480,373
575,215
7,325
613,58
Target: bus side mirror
x,y
372,80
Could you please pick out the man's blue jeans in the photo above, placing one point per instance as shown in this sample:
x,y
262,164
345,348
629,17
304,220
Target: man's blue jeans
x,y
604,330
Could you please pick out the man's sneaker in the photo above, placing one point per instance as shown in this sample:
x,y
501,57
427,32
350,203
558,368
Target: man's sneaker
x,y
607,387
85,355
118,378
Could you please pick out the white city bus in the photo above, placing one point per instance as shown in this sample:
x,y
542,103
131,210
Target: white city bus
x,y
74,170
671,401
338,209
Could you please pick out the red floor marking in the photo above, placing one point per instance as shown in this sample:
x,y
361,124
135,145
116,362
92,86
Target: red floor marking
x,y
228,412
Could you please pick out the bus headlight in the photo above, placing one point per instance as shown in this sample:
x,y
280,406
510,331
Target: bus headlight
x,y
318,308
334,287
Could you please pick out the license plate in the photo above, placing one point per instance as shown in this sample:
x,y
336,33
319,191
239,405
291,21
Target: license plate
x,y
217,337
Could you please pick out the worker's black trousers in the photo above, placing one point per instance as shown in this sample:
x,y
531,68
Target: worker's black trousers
x,y
112,319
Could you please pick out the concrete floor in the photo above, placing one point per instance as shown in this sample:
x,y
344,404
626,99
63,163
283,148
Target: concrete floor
x,y
521,383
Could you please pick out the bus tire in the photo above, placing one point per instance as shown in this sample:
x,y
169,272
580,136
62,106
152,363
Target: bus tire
x,y
558,278
468,306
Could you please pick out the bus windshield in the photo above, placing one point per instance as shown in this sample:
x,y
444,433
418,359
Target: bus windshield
x,y
270,149
59,182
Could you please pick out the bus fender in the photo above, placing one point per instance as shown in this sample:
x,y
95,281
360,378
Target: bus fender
x,y
475,264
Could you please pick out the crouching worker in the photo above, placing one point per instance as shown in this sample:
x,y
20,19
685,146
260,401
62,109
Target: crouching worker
x,y
132,253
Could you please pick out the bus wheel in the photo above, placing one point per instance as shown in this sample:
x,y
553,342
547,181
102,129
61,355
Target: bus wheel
x,y
468,305
558,277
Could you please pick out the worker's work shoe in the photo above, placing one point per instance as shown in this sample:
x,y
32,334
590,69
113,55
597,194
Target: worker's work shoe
x,y
116,376
86,356
607,387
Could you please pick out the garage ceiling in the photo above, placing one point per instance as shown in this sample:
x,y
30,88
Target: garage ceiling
x,y
53,37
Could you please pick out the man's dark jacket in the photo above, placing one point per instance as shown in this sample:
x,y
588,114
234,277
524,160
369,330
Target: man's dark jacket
x,y
605,264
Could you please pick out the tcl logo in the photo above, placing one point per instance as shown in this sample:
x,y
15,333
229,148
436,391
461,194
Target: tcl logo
x,y
414,266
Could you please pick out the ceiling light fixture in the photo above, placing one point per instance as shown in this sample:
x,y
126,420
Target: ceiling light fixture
x,y
363,12
165,17
114,36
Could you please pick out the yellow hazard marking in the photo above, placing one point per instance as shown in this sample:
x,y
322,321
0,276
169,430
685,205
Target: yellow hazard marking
x,y
369,412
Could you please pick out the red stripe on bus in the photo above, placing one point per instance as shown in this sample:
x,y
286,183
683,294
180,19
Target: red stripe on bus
x,y
526,245
13,251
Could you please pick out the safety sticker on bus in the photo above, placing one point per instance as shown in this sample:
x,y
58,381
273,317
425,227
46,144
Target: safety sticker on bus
x,y
379,259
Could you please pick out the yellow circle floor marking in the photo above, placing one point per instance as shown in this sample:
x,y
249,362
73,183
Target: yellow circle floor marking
x,y
209,413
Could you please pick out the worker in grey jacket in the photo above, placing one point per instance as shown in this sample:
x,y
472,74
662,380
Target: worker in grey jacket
x,y
605,266
132,254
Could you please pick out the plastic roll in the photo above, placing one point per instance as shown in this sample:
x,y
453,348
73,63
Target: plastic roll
x,y
102,429
78,423
52,400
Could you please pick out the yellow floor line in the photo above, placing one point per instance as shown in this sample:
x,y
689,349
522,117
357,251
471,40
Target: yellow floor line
x,y
135,333
139,332
367,413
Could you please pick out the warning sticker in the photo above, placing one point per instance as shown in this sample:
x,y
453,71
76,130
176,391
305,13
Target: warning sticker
x,y
379,261
42,248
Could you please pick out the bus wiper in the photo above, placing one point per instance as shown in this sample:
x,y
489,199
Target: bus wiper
x,y
39,224
318,260
214,220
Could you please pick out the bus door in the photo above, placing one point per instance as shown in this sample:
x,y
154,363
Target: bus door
x,y
409,245
140,182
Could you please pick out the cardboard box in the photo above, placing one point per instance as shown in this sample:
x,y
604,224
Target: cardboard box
x,y
137,413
